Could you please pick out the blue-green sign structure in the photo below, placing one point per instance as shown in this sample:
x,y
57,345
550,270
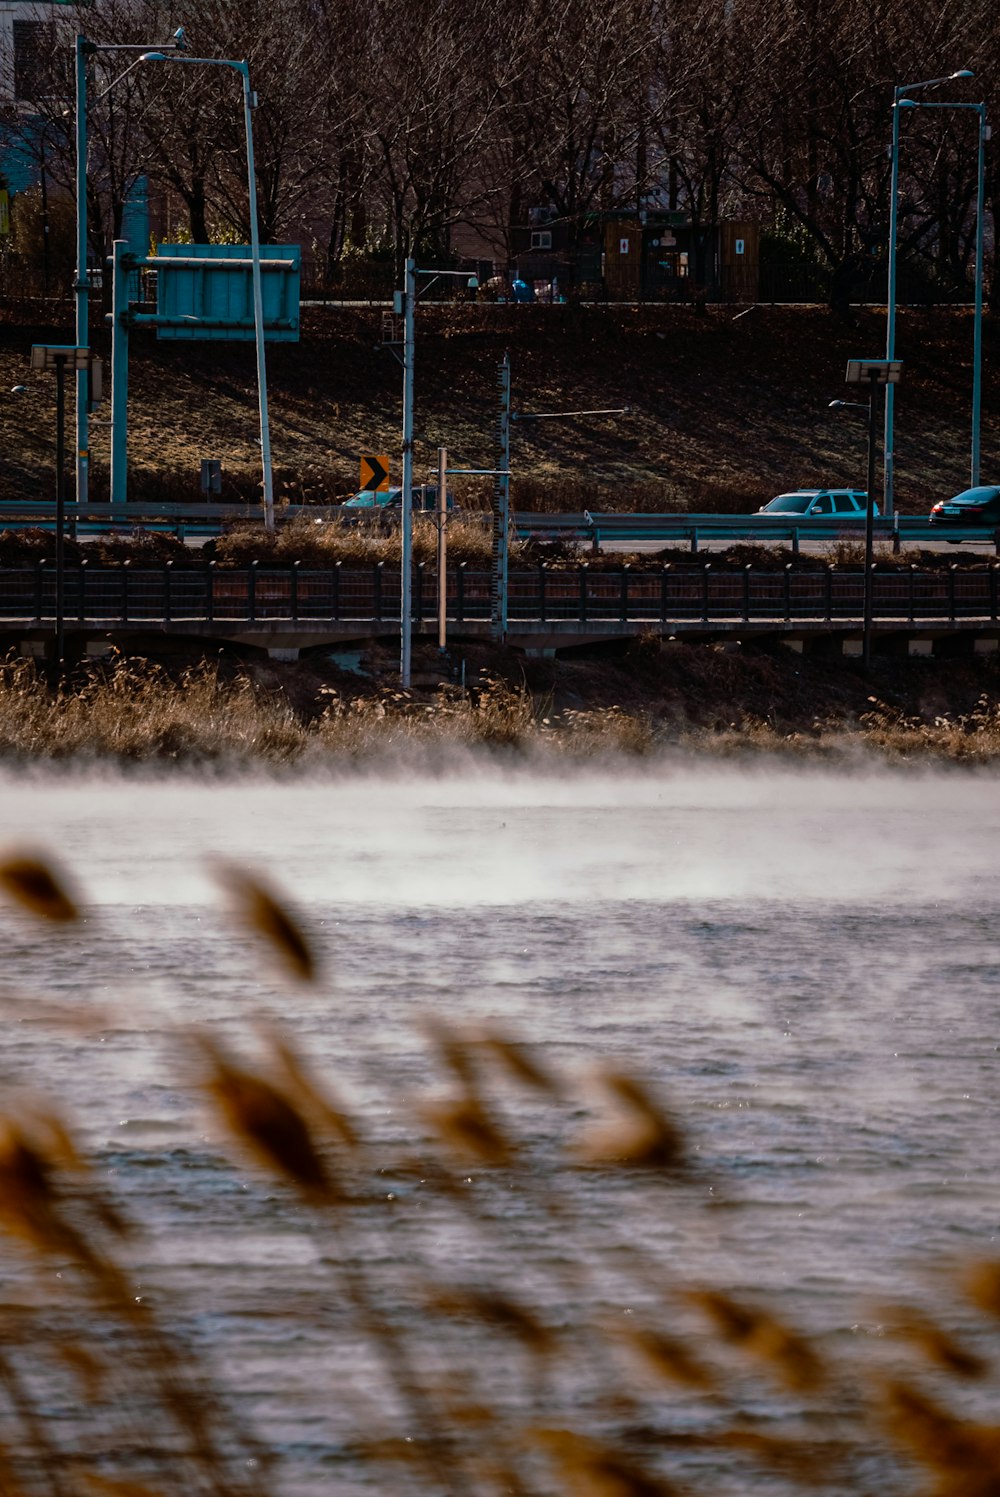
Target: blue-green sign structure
x,y
206,291
203,291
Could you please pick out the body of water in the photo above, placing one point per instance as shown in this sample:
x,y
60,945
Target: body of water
x,y
806,967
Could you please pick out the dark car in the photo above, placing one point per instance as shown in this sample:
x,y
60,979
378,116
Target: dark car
x,y
978,506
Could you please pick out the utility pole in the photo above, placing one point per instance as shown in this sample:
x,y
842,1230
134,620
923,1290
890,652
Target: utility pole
x,y
501,508
409,299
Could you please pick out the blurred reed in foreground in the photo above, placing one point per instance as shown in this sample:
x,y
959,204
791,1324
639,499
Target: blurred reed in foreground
x,y
495,1326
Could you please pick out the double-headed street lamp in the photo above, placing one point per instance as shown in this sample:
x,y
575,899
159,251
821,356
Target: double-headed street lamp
x,y
899,101
172,51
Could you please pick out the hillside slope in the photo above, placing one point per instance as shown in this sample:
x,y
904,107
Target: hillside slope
x,y
724,410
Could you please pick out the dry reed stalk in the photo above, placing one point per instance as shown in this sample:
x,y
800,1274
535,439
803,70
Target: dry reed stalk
x,y
33,883
267,915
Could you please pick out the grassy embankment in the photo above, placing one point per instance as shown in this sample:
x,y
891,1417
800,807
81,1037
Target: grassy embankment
x,y
645,702
724,410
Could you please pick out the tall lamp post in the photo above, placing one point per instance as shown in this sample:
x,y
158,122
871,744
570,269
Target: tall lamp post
x,y
977,333
249,105
85,50
899,101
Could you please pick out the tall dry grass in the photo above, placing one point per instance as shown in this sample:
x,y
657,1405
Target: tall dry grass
x,y
483,1287
133,711
366,542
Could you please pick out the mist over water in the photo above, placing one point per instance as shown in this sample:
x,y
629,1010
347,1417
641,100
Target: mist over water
x,y
680,833
807,965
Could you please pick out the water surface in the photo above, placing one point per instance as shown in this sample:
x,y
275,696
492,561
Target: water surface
x,y
805,965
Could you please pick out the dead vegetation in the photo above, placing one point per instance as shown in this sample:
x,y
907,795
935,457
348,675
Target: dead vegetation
x,y
653,702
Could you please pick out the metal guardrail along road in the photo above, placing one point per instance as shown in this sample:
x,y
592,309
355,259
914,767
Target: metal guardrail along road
x,y
592,528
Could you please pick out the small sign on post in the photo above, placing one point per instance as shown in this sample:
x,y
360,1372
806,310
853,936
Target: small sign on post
x,y
211,475
882,371
375,474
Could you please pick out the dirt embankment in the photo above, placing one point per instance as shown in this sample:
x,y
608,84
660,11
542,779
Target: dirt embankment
x,y
723,410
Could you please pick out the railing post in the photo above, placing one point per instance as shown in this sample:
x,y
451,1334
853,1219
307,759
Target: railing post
x,y
746,592
830,569
951,591
460,593
996,542
168,575
994,568
664,592
623,594
795,540
896,542
583,592
335,600
788,592
210,594
82,610
124,576
39,589
913,592
704,592
541,592
418,592
694,541
293,590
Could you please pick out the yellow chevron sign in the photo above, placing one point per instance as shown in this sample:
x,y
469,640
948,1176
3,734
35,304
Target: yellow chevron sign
x,y
375,473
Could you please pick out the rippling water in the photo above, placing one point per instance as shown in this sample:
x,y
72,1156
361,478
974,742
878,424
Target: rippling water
x,y
807,965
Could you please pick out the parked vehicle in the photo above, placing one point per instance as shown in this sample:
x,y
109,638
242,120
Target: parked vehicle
x,y
809,504
424,499
978,506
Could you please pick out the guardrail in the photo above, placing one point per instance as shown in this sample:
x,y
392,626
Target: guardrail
x,y
589,527
900,529
658,596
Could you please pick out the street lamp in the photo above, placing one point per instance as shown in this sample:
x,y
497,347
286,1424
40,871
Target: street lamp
x,y
898,102
86,49
977,333
405,301
249,105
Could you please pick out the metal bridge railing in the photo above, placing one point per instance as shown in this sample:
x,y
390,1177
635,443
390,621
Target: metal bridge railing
x,y
656,595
